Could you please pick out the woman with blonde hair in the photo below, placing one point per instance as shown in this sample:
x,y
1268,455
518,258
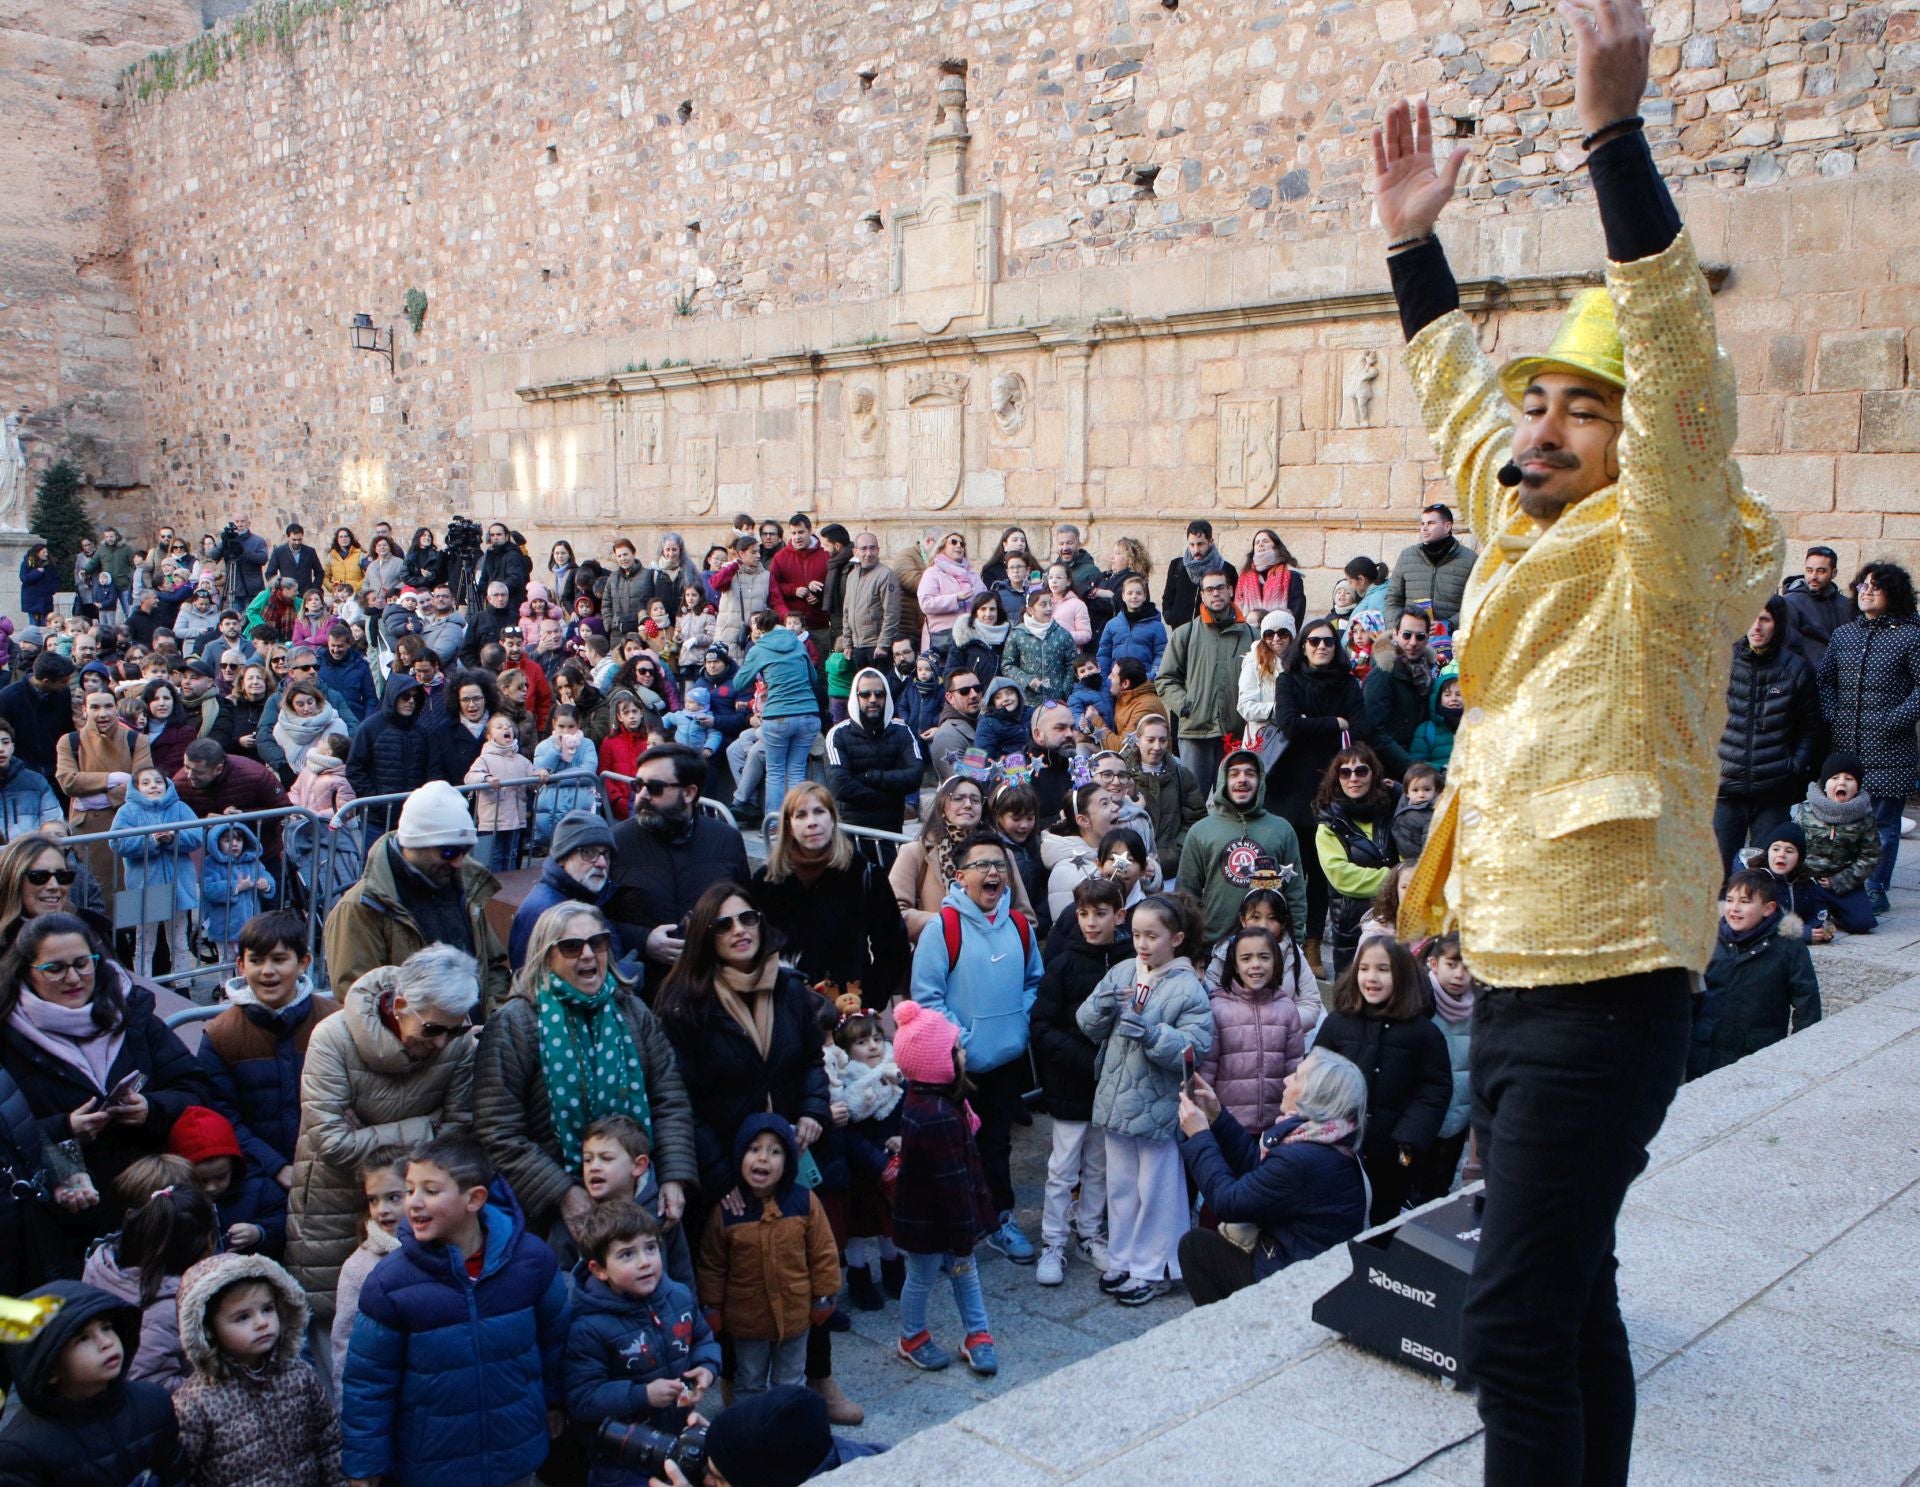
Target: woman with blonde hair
x,y
832,905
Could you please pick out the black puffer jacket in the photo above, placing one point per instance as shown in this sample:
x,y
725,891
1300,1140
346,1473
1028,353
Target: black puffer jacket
x,y
727,1080
115,1438
1870,692
1066,1058
1409,1076
1814,617
389,753
32,1249
1771,744
657,879
872,771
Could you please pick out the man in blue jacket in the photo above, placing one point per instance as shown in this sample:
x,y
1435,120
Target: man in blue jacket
x,y
978,965
345,672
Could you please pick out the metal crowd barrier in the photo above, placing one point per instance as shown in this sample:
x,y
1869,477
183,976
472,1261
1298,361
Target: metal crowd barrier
x,y
117,891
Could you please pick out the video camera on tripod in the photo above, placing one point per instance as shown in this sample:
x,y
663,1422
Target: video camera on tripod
x,y
463,542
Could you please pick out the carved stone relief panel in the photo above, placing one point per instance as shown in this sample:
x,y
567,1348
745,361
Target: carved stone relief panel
x,y
1007,398
1361,389
936,424
863,425
1247,452
698,466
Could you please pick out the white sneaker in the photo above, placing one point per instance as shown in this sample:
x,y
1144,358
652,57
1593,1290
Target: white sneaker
x,y
1094,1252
1052,1269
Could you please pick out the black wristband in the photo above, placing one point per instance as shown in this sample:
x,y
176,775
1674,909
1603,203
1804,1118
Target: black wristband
x,y
1412,242
1608,131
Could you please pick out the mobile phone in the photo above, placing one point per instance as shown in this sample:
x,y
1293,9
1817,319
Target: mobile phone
x,y
1186,1073
127,1088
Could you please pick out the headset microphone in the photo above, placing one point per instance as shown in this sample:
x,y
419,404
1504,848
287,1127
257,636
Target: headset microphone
x,y
1508,474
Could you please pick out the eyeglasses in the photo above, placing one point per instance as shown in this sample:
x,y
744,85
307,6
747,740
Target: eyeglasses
x,y
1213,588
984,865
746,919
59,970
229,665
304,666
453,854
41,876
656,788
1318,640
1355,772
441,1030
968,691
574,944
1413,634
867,694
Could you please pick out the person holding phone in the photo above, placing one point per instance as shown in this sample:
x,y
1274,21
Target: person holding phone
x,y
83,1040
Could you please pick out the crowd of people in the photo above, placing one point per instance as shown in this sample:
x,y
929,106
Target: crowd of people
x,y
1037,844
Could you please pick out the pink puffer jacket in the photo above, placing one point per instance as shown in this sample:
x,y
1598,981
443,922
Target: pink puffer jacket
x,y
1255,1046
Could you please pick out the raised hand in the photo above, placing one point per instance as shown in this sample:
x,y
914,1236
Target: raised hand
x,y
1611,39
1408,189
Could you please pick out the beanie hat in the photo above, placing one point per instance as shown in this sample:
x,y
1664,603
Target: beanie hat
x,y
578,830
1278,619
923,1045
1841,762
32,635
201,1134
1790,833
777,1438
436,815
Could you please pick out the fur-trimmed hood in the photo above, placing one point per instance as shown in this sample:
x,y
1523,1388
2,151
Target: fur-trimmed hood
x,y
206,1280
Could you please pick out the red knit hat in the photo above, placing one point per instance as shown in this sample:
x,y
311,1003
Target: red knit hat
x,y
923,1044
201,1134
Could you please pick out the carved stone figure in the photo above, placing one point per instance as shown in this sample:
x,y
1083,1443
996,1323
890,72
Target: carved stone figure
x,y
1359,389
13,475
1008,396
650,438
863,416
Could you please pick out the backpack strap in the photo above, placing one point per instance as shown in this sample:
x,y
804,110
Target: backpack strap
x,y
950,927
1026,931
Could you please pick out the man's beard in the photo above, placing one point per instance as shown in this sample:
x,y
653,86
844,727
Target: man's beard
x,y
1540,505
664,819
593,880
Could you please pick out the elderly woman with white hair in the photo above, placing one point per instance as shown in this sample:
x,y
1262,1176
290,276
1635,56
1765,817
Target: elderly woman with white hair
x,y
394,1067
1288,1194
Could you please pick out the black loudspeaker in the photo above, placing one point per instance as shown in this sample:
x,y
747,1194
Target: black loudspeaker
x,y
1404,1296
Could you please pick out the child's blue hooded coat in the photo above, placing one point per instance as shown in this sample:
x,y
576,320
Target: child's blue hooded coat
x,y
780,658
448,1380
996,735
225,906
146,861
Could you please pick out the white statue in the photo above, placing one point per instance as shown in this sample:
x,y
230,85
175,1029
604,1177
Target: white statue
x,y
1360,384
13,475
1007,394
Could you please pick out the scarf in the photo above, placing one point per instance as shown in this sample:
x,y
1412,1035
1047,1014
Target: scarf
x,y
1736,941
1419,671
1437,549
69,1035
296,735
1273,559
994,635
748,1001
1035,626
1199,568
1453,1008
589,1060
1335,1132
954,569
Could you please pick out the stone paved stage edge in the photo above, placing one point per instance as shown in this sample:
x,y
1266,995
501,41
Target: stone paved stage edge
x,y
1767,1263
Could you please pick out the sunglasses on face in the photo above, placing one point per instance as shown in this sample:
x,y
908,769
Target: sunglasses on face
x,y
1355,772
656,788
573,945
41,876
867,694
441,1030
746,919
1318,640
453,854
968,691
60,969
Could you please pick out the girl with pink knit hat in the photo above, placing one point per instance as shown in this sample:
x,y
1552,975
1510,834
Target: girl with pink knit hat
x,y
940,1205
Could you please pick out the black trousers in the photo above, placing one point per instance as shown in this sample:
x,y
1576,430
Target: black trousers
x,y
1570,1084
1737,821
996,1100
1213,1268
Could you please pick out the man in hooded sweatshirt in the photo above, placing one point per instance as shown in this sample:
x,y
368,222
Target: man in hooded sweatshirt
x,y
873,764
1238,839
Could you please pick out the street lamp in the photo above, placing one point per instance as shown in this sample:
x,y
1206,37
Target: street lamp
x,y
369,337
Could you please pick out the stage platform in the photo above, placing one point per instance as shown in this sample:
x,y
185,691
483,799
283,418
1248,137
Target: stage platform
x,y
1767,1273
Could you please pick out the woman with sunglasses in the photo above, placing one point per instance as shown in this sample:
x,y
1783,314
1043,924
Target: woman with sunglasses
x,y
237,728
574,1043
1317,708
946,591
744,1028
39,875
96,1063
1353,842
394,1067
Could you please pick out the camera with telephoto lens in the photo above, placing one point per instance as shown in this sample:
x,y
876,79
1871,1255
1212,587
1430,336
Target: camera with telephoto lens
x,y
647,1452
464,537
232,544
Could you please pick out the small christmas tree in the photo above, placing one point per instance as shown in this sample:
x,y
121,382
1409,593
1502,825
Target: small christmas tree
x,y
60,516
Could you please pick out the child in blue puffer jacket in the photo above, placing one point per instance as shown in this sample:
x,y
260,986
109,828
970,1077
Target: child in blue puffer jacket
x,y
1003,728
160,859
453,1369
234,886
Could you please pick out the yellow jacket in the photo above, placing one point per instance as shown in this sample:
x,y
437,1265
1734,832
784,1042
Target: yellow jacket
x,y
1574,840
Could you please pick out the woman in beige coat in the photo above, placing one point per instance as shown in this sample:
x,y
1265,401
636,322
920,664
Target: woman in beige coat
x,y
924,870
94,765
394,1068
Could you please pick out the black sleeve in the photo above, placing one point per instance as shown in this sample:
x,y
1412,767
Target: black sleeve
x,y
1636,211
1423,285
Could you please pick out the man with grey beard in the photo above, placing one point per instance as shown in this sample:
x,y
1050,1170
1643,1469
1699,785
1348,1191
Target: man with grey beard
x,y
579,870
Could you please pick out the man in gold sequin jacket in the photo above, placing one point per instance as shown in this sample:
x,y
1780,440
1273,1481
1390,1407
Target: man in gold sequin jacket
x,y
1621,554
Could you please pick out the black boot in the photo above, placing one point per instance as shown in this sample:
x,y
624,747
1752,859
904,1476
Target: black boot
x,y
893,1276
863,1291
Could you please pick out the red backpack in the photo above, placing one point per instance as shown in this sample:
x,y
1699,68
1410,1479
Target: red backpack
x,y
950,926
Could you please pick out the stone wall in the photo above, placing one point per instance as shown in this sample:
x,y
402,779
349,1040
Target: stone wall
x,y
686,256
68,343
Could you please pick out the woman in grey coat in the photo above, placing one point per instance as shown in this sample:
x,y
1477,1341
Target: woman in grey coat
x,y
572,1020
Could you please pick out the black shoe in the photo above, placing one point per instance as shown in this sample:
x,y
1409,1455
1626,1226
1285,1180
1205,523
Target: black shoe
x,y
839,1321
864,1291
893,1276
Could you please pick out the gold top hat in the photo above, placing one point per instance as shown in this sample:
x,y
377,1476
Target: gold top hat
x,y
1588,341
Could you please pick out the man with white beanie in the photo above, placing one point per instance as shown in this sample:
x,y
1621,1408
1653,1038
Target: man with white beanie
x,y
421,887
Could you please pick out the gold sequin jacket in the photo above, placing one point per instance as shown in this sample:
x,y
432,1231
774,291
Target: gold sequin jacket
x,y
1574,840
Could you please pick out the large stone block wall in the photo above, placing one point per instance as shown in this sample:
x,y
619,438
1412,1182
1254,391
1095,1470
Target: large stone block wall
x,y
585,187
68,335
